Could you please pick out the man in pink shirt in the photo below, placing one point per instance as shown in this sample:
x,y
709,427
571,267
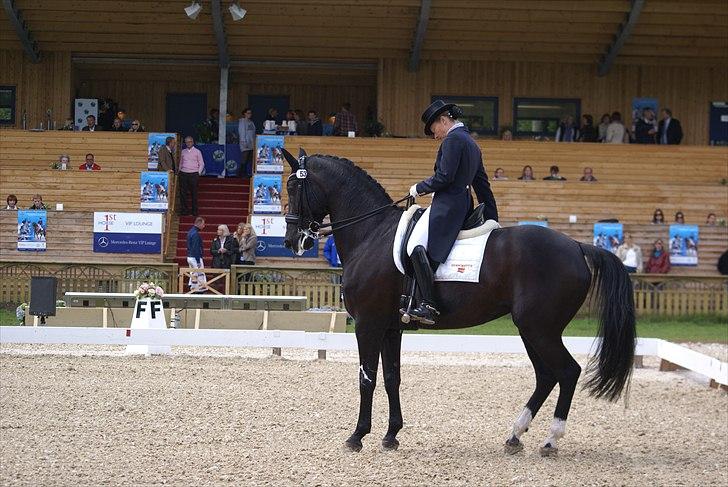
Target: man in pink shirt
x,y
190,168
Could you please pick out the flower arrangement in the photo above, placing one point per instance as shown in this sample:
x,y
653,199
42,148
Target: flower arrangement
x,y
149,290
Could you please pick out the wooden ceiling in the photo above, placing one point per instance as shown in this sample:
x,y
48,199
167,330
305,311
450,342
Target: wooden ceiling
x,y
576,31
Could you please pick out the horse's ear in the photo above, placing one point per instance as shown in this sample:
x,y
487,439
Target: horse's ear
x,y
301,153
292,161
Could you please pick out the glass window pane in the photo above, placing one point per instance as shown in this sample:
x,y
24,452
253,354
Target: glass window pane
x,y
5,114
7,105
480,114
541,116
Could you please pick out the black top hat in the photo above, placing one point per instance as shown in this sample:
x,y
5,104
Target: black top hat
x,y
433,111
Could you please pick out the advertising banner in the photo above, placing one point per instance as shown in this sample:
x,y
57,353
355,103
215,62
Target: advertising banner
x,y
82,108
684,244
271,231
608,236
538,223
154,190
268,155
121,233
32,226
267,193
155,141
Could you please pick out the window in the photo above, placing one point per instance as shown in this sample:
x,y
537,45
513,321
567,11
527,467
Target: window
x,y
480,112
541,116
7,105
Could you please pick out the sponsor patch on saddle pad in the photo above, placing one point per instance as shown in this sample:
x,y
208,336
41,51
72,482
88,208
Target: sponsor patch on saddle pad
x,y
466,257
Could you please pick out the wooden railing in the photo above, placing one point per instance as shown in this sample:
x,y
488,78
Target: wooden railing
x,y
666,295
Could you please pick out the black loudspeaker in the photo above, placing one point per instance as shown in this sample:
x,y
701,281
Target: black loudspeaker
x,y
43,296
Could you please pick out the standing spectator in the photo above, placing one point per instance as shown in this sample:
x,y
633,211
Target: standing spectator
x,y
328,128
301,125
680,218
314,125
588,175
616,131
330,252
190,168
247,245
198,280
630,254
89,165
567,131
12,202
669,130
91,125
167,154
500,175
223,248
136,126
38,203
710,220
554,175
603,125
213,123
588,132
273,115
527,174
116,125
345,121
645,130
659,261
246,138
658,217
506,134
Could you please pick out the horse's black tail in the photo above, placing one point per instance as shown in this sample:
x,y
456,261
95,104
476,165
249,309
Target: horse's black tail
x,y
609,371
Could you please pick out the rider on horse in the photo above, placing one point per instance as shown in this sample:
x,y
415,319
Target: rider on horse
x,y
458,167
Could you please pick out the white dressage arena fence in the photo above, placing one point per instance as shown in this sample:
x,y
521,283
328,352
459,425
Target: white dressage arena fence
x,y
709,367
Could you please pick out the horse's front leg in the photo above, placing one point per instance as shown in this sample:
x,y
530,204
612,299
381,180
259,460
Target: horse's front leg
x,y
391,352
370,343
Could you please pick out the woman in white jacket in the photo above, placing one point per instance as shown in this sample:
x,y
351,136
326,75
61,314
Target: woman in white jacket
x,y
630,254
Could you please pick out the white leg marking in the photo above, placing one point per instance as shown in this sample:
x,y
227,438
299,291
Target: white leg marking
x,y
522,422
364,375
557,431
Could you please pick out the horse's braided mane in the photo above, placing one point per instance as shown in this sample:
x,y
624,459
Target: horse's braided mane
x,y
357,171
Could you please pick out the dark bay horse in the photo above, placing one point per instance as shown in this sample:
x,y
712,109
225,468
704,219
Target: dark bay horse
x,y
539,276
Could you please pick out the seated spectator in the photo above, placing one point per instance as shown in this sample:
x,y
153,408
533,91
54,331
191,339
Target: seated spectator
x,y
658,217
680,218
527,174
588,175
710,220
301,125
313,124
328,128
345,121
64,161
659,261
136,126
68,125
91,125
500,175
630,254
567,131
645,129
273,115
12,202
89,165
116,126
616,131
588,132
554,175
223,248
602,128
38,203
506,134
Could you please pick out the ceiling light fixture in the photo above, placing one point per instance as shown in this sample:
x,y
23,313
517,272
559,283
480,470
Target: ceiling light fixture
x,y
237,11
193,10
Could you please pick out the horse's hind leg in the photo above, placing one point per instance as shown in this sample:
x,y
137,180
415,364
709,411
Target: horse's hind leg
x,y
391,352
545,382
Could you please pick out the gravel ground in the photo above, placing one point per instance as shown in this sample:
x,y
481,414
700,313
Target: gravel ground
x,y
73,415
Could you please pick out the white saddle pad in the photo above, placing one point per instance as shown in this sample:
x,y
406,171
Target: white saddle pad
x,y
466,257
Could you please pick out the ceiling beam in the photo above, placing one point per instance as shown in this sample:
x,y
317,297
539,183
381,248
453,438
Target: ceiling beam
x,y
414,61
625,29
26,39
219,25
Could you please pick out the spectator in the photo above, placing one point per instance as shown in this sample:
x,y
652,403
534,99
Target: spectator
x,y
12,202
223,248
246,138
247,245
645,130
659,261
285,209
91,125
616,131
658,217
198,280
588,132
345,121
38,203
190,168
567,131
527,174
328,128
116,125
506,134
64,161
679,218
136,126
500,174
630,254
213,123
710,220
603,126
588,175
89,165
554,175
669,130
166,155
332,256
273,115
68,125
121,115
301,124
314,125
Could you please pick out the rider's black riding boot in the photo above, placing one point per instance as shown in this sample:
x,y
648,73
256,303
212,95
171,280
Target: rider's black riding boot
x,y
426,312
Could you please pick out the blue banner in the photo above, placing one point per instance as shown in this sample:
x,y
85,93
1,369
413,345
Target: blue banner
x,y
538,223
127,243
219,158
154,190
267,193
271,231
684,241
608,236
268,153
127,233
32,225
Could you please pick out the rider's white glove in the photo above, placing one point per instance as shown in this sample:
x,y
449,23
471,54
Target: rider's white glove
x,y
413,191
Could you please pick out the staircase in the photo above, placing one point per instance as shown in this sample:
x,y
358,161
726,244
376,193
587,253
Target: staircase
x,y
220,201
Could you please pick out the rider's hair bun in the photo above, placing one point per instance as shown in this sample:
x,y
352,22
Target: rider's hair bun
x,y
456,112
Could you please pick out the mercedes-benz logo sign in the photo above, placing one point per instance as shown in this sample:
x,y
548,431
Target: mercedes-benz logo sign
x,y
261,246
103,242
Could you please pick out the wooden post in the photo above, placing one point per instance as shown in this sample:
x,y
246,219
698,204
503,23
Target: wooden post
x,y
667,366
638,362
714,385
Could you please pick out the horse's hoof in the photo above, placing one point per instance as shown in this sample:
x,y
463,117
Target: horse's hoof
x,y
513,446
353,445
390,445
548,451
